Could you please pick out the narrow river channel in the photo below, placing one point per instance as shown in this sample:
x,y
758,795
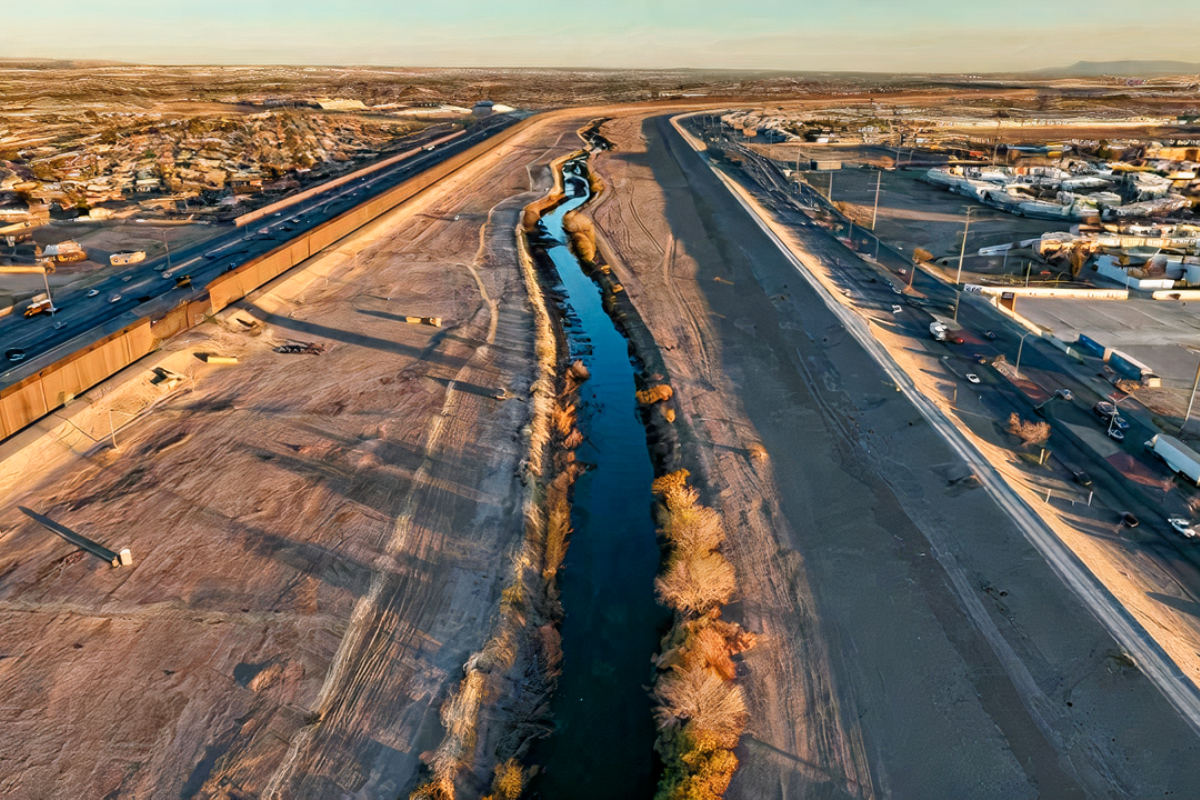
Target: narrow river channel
x,y
604,735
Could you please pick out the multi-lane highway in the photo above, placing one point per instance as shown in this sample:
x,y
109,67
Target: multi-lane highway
x,y
125,290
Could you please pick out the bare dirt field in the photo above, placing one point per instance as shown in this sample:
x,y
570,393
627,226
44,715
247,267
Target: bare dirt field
x,y
318,540
912,641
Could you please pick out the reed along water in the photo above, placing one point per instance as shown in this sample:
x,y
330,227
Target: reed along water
x,y
603,743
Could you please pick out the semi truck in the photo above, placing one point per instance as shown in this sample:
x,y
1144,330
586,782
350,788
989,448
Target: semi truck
x,y
1176,455
39,304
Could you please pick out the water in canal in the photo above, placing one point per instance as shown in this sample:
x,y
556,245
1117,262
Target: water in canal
x,y
604,738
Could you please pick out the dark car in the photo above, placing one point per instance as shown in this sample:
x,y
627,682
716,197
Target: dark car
x,y
15,354
1128,519
979,358
989,335
1081,477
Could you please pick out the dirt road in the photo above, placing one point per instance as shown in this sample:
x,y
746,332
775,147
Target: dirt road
x,y
914,642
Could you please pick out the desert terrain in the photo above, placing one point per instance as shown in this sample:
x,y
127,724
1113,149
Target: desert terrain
x,y
322,542
319,540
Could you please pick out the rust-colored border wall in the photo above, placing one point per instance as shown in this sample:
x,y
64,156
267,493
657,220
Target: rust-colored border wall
x,y
40,393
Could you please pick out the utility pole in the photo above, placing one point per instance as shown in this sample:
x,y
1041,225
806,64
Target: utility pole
x,y
963,252
875,213
46,280
1020,347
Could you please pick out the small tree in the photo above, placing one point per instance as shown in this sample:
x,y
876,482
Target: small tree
x,y
1030,433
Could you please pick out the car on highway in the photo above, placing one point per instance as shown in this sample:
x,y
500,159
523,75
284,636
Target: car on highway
x,y
897,309
972,377
1116,433
897,290
1065,394
1128,519
15,354
1104,409
1119,422
160,267
93,293
1182,525
989,335
979,358
1081,477
114,298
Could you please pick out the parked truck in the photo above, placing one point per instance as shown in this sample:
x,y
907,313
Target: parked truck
x,y
1177,455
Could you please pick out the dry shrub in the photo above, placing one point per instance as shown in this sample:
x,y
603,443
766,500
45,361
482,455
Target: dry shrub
x,y
573,440
508,783
700,698
583,246
530,217
712,649
696,584
573,222
692,528
655,394
668,414
578,371
563,420
695,768
558,523
460,718
672,480
1030,433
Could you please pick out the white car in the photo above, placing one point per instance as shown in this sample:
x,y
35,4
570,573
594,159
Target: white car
x,y
1065,394
93,293
114,298
897,309
972,377
1116,433
1182,525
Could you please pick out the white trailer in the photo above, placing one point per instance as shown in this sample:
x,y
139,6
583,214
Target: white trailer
x,y
1177,455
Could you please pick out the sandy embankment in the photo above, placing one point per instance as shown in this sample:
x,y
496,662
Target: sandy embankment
x,y
912,641
319,540
795,738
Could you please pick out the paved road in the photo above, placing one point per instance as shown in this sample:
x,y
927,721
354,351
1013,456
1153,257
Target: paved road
x,y
874,288
970,665
228,247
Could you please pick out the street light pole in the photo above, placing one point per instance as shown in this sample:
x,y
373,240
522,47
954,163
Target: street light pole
x,y
1020,347
963,252
46,280
875,213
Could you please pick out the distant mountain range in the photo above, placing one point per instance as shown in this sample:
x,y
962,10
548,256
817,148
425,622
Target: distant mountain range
x,y
1133,69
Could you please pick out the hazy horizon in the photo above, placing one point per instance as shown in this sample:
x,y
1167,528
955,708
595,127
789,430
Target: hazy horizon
x,y
852,36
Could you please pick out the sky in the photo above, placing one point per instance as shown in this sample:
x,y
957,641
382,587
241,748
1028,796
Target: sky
x,y
843,35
